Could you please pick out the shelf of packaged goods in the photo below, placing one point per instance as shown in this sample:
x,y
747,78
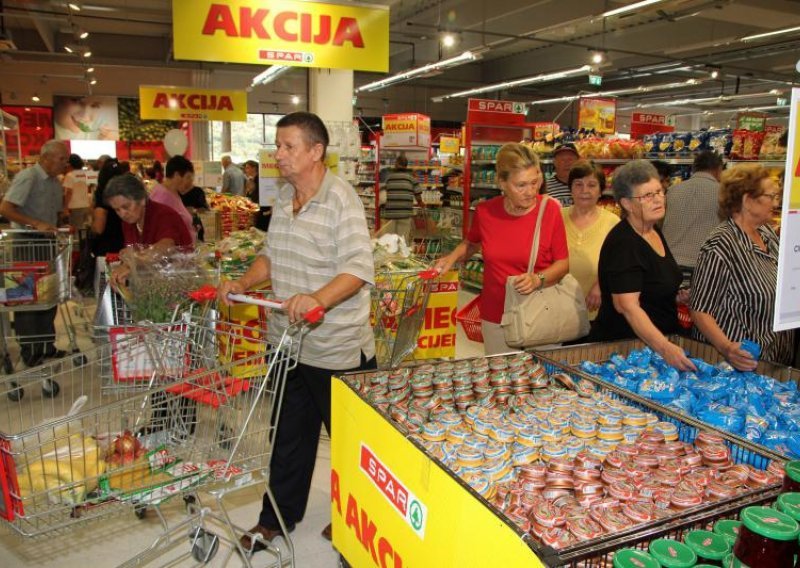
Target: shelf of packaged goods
x,y
485,186
767,163
459,190
470,285
366,182
482,162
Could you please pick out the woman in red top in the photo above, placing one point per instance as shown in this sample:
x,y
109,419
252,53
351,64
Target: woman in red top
x,y
144,222
502,228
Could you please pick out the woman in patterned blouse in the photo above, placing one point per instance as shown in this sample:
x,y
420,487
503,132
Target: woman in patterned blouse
x,y
733,288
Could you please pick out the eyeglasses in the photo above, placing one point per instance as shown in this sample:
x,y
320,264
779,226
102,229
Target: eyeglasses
x,y
775,197
649,196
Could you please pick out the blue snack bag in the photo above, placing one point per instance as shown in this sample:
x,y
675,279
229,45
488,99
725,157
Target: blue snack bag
x,y
703,368
751,347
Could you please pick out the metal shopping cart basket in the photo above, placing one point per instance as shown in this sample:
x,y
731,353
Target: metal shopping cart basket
x,y
206,419
36,278
399,299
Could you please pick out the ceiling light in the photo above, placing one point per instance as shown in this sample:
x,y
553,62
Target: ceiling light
x,y
555,76
618,92
92,81
74,6
87,53
706,100
295,100
628,8
732,110
597,57
269,75
448,40
68,49
90,70
83,34
35,98
466,57
714,74
768,34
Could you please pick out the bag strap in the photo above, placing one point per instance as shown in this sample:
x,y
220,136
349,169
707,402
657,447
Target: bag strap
x,y
535,247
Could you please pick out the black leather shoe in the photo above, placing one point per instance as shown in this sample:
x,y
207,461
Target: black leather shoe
x,y
55,354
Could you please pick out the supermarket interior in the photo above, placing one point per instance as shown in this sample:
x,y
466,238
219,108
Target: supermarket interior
x,y
474,284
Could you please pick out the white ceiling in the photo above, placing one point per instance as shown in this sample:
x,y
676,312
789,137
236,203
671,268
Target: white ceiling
x,y
672,40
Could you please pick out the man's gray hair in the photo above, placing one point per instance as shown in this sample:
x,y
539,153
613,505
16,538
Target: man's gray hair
x,y
125,185
53,147
632,174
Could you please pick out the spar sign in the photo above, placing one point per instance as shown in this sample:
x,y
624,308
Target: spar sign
x,y
282,32
407,505
182,103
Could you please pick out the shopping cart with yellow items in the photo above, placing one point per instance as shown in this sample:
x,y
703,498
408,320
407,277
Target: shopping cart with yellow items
x,y
205,418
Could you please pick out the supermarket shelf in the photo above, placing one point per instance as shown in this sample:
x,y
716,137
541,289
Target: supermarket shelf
x,y
485,186
482,162
459,190
366,182
469,284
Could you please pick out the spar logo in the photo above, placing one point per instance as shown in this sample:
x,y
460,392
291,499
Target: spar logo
x,y
411,509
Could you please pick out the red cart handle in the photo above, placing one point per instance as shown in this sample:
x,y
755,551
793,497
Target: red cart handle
x,y
429,274
207,293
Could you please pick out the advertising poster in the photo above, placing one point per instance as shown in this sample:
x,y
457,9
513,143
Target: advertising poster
x,y
787,298
269,178
185,103
85,118
406,130
283,32
35,128
599,115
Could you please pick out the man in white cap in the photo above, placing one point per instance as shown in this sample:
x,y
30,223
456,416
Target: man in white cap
x,y
564,156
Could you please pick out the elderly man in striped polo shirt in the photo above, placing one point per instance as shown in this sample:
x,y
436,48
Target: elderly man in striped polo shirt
x,y
318,253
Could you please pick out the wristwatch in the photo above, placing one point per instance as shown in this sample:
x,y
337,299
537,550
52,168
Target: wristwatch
x,y
542,279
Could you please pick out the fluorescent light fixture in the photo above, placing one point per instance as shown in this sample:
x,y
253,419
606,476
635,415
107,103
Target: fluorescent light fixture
x,y
269,75
69,49
701,101
769,34
466,57
74,6
555,76
628,8
618,92
732,110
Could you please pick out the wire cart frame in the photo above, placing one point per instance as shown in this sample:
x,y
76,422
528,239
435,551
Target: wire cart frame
x,y
36,268
205,416
399,299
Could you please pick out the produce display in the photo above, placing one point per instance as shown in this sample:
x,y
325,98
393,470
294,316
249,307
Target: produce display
x,y
756,407
235,211
235,253
564,462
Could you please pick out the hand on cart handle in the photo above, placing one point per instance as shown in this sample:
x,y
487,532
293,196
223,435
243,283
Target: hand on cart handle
x,y
232,291
429,274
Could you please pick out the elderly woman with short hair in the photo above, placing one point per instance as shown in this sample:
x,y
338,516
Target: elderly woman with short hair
x,y
639,278
733,287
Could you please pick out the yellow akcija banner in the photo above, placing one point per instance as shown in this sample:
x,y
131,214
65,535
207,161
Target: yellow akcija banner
x,y
282,32
187,103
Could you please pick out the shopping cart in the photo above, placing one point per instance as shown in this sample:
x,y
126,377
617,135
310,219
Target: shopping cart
x,y
36,273
399,299
198,423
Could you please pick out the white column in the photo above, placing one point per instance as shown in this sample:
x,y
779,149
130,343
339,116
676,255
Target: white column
x,y
200,129
330,94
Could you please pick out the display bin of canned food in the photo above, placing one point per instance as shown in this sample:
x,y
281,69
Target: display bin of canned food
x,y
575,465
761,408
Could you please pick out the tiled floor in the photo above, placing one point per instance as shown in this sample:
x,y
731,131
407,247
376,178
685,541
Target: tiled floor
x,y
117,538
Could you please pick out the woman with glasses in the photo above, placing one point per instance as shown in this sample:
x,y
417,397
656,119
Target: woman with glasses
x,y
733,289
639,278
502,229
587,226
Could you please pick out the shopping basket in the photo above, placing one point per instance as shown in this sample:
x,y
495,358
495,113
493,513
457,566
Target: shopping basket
x,y
196,423
470,319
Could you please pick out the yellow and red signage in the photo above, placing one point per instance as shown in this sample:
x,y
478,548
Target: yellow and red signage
x,y
647,123
186,103
449,144
406,130
488,111
283,32
393,506
598,114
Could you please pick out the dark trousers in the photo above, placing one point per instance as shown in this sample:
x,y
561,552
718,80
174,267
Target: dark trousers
x,y
306,406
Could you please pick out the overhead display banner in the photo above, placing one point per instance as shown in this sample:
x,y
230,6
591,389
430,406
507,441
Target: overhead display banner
x,y
406,130
283,32
85,118
649,122
787,298
753,121
186,103
597,114
488,111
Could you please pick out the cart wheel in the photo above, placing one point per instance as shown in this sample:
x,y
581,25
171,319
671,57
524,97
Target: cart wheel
x,y
79,360
8,366
204,544
50,388
16,393
140,511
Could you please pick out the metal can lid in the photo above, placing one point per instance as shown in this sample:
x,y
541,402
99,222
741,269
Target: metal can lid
x,y
728,528
770,523
707,544
672,554
630,558
789,503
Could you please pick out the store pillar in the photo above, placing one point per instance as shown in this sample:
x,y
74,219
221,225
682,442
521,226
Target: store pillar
x,y
330,94
200,130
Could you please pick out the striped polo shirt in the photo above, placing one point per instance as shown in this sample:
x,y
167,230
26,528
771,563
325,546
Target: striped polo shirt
x,y
735,281
327,237
400,191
